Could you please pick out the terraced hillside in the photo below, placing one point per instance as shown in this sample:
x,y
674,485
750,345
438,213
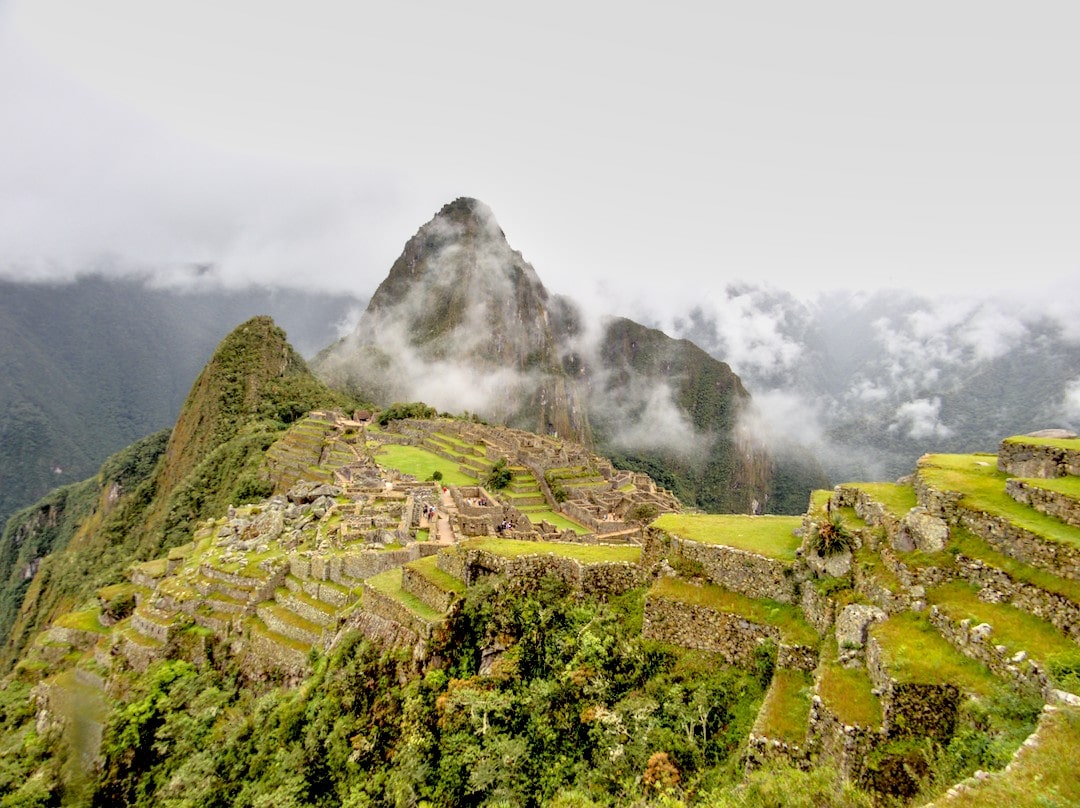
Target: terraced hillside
x,y
902,621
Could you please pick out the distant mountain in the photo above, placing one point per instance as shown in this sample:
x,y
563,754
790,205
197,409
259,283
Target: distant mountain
x,y
879,379
463,323
88,367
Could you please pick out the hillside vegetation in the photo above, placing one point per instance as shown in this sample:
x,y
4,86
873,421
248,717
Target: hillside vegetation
x,y
296,612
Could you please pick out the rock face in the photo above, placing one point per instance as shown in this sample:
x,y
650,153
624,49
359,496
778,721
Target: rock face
x,y
920,530
463,323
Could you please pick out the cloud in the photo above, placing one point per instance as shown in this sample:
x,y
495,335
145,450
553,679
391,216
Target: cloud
x,y
88,187
920,419
1071,404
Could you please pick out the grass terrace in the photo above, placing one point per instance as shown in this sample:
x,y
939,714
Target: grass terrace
x,y
785,713
560,521
1015,629
585,553
983,488
771,536
389,583
421,464
1057,443
973,546
1069,486
848,692
897,498
916,653
789,619
83,620
429,568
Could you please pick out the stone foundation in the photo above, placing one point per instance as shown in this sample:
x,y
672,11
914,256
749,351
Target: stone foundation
x,y
731,636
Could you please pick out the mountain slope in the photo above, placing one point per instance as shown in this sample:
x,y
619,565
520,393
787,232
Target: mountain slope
x,y
253,386
463,323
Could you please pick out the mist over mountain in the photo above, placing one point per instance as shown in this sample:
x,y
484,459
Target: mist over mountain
x,y
872,381
90,366
463,323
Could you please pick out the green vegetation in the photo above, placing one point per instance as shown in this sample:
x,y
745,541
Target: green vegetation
x,y
983,488
1015,629
785,617
786,711
916,653
499,477
898,498
400,410
847,692
832,537
771,536
420,463
389,583
1044,775
1057,443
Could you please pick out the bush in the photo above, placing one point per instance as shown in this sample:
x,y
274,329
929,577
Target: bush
x,y
499,477
832,538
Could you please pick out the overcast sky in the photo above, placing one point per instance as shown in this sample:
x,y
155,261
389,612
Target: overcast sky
x,y
647,153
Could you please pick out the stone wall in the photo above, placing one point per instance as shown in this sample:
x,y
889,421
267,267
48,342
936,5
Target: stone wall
x,y
416,583
819,610
761,750
1002,535
1051,503
1031,460
747,573
997,586
846,746
731,636
976,641
797,657
376,603
911,709
524,572
349,567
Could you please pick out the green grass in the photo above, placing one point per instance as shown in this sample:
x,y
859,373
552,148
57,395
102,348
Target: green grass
x,y
423,534
1044,776
429,568
786,712
421,464
557,519
770,536
847,692
788,619
84,620
916,653
983,488
1013,628
1057,443
389,583
975,547
585,553
1069,486
898,499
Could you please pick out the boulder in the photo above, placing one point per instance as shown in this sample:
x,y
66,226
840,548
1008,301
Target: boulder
x,y
853,622
920,530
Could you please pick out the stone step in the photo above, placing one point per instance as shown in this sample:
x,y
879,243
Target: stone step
x,y
278,618
1012,643
271,650
430,584
1057,498
969,491
306,607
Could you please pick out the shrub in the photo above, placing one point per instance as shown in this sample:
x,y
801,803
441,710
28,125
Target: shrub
x,y
831,538
499,477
